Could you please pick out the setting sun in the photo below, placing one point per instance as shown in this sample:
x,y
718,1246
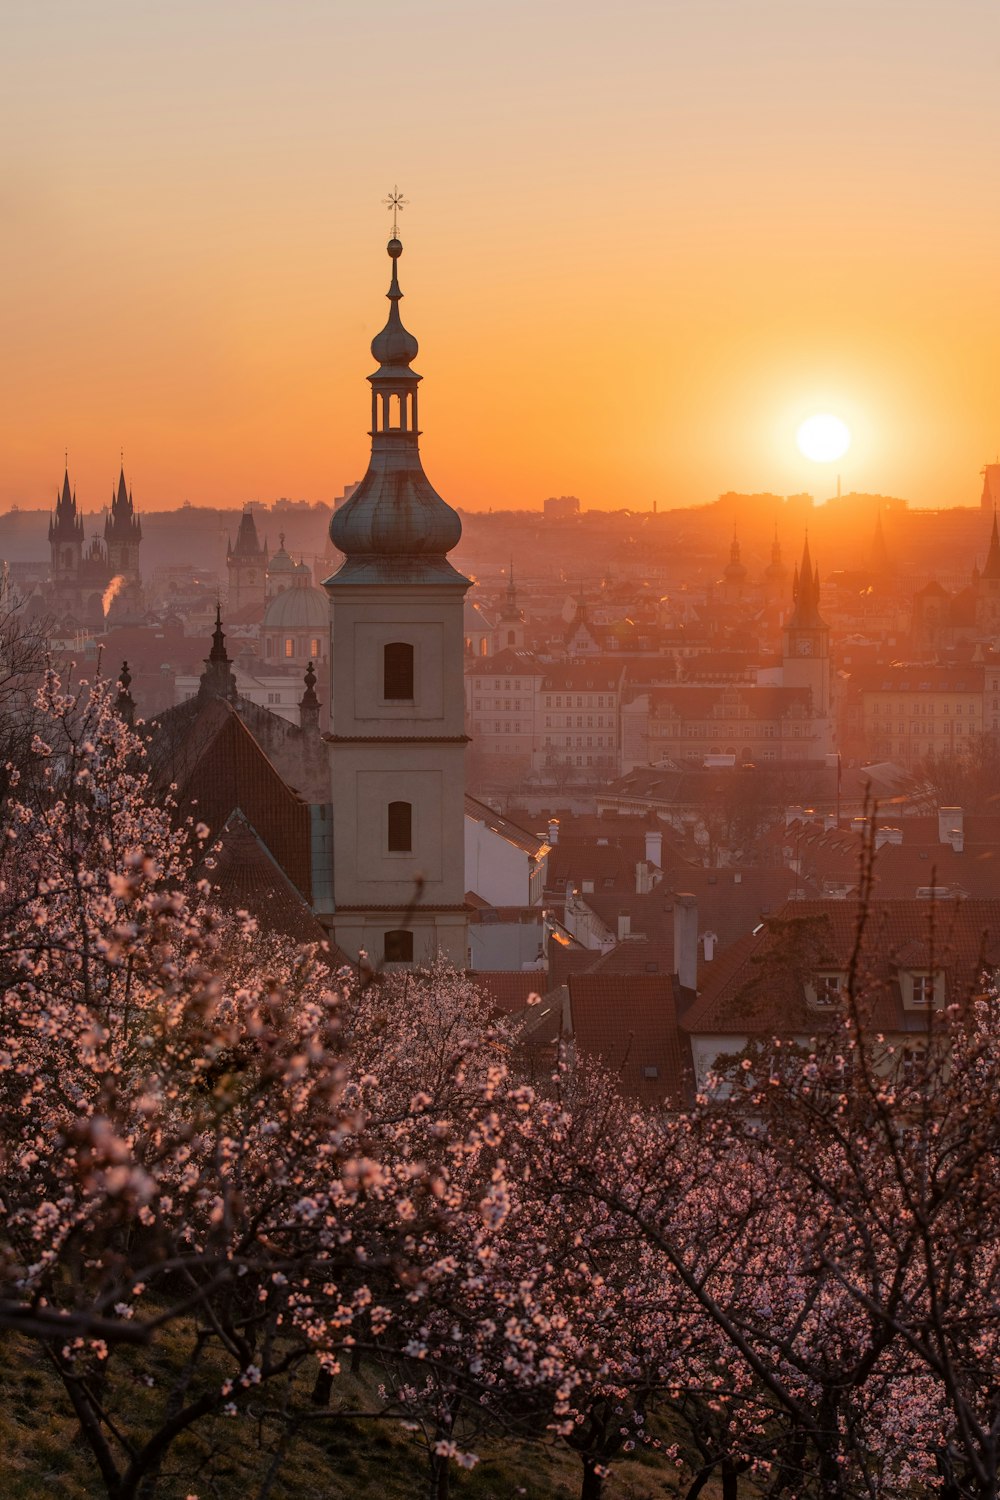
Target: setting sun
x,y
823,438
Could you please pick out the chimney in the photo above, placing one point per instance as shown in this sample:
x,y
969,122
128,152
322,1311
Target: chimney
x,y
957,839
888,836
708,942
951,820
686,940
858,824
829,821
643,878
553,831
624,925
654,847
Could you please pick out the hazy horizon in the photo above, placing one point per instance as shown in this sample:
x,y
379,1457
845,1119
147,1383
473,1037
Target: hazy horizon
x,y
639,247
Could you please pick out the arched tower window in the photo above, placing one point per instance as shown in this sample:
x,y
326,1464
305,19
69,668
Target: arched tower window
x,y
398,946
400,827
397,670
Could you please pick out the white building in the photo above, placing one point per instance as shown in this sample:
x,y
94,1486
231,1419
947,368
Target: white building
x,y
397,728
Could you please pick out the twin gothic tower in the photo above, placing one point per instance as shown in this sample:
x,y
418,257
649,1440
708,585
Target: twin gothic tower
x,y
397,721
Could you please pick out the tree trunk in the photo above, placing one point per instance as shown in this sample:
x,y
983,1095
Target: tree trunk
x,y
323,1388
593,1482
730,1480
831,1474
440,1486
699,1482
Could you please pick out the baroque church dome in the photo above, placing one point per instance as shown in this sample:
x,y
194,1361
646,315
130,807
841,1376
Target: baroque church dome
x,y
300,607
395,525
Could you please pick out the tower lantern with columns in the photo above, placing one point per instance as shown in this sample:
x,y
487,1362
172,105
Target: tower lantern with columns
x,y
397,731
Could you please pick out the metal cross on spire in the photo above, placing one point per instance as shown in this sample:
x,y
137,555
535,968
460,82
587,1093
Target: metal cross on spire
x,y
397,203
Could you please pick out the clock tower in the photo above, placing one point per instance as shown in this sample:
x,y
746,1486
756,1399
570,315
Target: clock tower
x,y
806,646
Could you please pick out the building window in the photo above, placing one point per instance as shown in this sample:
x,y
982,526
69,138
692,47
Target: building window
x,y
289,646
827,989
400,827
923,990
398,946
314,648
269,647
397,671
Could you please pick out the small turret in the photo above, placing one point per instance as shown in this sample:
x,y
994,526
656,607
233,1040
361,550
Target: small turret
x,y
309,703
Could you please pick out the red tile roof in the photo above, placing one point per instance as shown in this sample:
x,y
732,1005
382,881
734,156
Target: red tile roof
x,y
508,991
630,1023
245,877
758,987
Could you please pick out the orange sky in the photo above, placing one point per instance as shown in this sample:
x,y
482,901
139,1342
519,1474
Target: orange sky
x,y
643,242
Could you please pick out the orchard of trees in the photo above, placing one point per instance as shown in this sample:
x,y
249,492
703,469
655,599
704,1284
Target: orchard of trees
x,y
789,1288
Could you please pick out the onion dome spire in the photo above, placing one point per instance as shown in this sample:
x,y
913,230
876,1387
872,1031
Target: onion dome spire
x,y
395,527
735,569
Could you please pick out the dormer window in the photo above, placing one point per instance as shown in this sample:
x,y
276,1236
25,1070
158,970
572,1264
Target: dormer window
x,y
923,990
826,989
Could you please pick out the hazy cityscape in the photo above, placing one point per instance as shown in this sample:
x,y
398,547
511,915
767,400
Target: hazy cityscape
x,y
500,817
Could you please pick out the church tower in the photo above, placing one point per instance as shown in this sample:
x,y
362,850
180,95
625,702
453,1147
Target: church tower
x,y
987,588
66,537
510,626
122,534
246,564
397,717
734,577
775,574
806,653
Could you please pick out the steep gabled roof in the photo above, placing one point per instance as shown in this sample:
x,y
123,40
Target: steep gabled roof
x,y
209,753
245,876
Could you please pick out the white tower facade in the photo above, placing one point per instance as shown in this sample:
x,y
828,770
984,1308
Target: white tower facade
x,y
397,721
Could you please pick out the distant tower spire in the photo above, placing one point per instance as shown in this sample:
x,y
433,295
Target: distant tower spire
x,y
805,592
125,703
218,679
879,552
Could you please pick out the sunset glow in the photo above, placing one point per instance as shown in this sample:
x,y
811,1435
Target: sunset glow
x,y
199,286
823,438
